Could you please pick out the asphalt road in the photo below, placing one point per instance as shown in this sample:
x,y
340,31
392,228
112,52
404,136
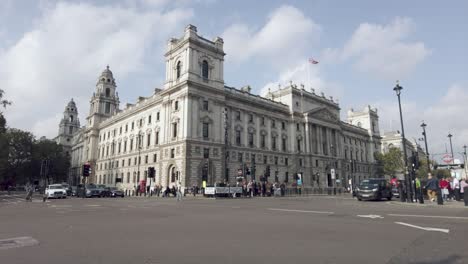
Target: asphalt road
x,y
262,230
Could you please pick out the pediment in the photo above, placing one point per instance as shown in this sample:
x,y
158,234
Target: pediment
x,y
323,113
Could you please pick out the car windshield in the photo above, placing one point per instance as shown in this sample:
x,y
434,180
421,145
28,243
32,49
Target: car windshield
x,y
54,187
370,182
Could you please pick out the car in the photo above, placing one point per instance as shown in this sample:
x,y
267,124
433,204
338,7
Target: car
x,y
104,192
374,189
115,192
56,191
395,192
92,191
67,188
74,190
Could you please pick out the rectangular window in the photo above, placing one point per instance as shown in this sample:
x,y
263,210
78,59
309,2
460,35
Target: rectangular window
x,y
107,108
286,177
299,145
139,160
238,138
251,140
117,164
148,140
265,159
174,130
172,153
300,162
120,146
120,131
135,161
283,144
239,157
263,121
273,143
205,105
155,157
286,161
157,138
238,115
273,123
129,162
125,146
126,128
250,118
298,126
205,130
146,159
206,153
283,125
149,119
276,160
123,163
133,125
262,141
157,116
131,144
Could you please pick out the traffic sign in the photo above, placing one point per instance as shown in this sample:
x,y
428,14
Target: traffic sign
x,y
447,159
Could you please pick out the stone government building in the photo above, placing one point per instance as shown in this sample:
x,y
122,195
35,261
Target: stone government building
x,y
197,128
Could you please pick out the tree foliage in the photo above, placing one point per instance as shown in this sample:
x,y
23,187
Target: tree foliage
x,y
391,162
22,156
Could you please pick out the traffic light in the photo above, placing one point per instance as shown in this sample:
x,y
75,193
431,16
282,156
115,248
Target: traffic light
x,y
86,170
151,172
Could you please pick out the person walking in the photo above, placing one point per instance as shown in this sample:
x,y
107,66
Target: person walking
x,y
463,184
456,188
431,187
179,192
444,184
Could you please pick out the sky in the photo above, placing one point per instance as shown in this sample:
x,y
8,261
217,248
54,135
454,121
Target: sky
x,y
52,51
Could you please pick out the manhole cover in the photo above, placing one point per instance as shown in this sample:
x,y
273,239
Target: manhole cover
x,y
17,242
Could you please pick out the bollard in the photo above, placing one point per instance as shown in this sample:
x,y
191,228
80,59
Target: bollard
x,y
465,195
440,201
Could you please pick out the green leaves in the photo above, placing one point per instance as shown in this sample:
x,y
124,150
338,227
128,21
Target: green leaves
x,y
392,161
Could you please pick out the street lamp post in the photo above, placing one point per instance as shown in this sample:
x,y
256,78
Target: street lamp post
x,y
397,90
451,148
423,125
139,158
464,156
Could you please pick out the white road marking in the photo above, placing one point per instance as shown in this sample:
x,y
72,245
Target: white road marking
x,y
92,205
370,216
431,216
17,242
425,228
300,211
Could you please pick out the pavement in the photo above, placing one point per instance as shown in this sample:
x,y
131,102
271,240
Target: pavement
x,y
317,229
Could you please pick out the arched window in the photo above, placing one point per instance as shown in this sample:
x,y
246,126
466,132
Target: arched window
x,y
71,118
178,69
107,92
205,69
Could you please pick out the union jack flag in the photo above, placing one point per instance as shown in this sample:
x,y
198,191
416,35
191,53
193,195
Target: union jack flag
x,y
311,60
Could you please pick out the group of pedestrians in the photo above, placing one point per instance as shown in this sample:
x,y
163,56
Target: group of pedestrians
x,y
264,189
450,188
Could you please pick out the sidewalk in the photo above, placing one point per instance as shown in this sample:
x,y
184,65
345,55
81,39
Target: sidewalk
x,y
427,203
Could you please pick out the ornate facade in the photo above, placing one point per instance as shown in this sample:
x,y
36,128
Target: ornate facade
x,y
196,129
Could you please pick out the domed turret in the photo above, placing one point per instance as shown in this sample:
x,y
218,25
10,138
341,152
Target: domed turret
x,y
106,76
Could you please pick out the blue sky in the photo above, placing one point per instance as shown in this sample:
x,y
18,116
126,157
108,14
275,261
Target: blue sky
x,y
51,51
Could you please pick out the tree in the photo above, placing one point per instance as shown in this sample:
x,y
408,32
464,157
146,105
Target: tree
x,y
392,161
3,102
18,145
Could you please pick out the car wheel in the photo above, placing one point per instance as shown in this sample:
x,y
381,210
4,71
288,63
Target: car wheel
x,y
359,199
389,198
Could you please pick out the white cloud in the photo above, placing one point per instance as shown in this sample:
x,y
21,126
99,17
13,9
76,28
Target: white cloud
x,y
306,74
446,114
284,39
382,49
63,54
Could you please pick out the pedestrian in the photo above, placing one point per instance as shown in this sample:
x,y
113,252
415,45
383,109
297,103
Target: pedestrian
x,y
418,188
444,184
431,187
29,194
456,188
179,192
463,184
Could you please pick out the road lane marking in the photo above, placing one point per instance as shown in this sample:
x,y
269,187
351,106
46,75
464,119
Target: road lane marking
x,y
431,216
300,211
17,242
92,205
371,216
425,228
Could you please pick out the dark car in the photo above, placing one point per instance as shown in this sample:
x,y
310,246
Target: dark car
x,y
374,189
115,192
92,191
103,190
